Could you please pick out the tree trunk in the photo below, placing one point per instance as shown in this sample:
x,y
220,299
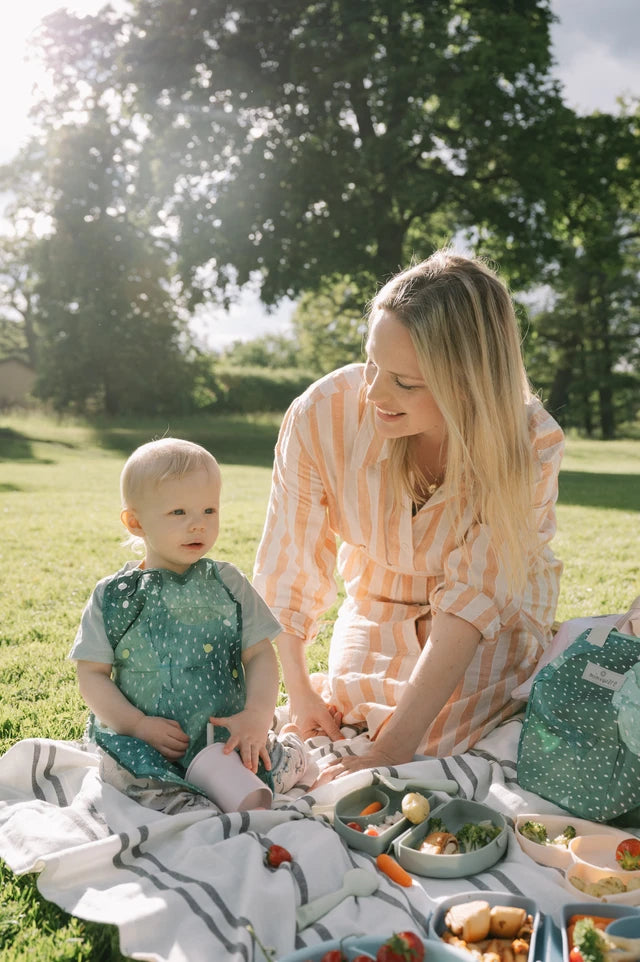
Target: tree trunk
x,y
585,393
605,363
559,395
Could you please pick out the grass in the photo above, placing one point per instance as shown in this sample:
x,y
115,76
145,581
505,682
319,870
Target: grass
x,y
59,511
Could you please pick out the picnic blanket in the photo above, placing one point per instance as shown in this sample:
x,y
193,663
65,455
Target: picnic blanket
x,y
190,887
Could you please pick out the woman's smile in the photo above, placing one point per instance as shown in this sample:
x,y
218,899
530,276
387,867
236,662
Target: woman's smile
x,y
388,415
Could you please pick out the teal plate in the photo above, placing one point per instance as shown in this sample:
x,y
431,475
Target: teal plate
x,y
353,945
454,814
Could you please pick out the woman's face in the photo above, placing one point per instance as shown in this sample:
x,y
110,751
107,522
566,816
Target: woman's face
x,y
402,402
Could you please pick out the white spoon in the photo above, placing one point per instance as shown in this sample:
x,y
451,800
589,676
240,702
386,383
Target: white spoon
x,y
431,785
357,881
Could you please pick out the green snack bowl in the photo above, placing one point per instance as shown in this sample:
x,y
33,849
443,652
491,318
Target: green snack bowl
x,y
454,815
349,807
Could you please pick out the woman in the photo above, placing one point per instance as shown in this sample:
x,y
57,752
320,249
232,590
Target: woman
x,y
436,471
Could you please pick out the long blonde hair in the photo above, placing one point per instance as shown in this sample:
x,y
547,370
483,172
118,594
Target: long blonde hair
x,y
462,324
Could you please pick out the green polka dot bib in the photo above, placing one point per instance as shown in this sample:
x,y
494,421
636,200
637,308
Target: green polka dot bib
x,y
177,654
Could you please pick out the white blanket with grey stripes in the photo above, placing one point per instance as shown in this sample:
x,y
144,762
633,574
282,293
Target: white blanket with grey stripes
x,y
191,887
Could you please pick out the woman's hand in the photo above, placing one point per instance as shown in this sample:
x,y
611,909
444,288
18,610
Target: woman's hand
x,y
163,734
307,710
247,732
375,757
312,717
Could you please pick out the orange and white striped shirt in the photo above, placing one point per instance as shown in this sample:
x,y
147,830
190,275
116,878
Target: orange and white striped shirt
x,y
332,503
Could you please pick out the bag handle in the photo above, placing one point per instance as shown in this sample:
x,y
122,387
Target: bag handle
x,y
629,623
626,624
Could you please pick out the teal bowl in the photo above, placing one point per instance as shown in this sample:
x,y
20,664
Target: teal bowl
x,y
454,814
627,927
435,950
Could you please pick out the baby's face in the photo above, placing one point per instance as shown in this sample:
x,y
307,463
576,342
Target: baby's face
x,y
180,520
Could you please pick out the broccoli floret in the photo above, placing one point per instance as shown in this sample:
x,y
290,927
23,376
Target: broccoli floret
x,y
470,837
436,825
589,941
491,831
535,832
565,837
473,836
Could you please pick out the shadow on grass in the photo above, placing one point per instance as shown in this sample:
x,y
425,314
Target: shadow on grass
x,y
232,440
19,447
597,490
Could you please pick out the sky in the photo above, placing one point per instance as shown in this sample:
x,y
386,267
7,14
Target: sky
x,y
596,46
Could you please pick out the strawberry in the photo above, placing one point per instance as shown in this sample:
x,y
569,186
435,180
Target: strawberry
x,y
276,855
401,947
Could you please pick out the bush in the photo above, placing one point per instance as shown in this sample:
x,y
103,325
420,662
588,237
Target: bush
x,y
245,390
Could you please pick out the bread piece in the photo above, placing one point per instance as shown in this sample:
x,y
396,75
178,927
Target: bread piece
x,y
469,920
440,843
506,921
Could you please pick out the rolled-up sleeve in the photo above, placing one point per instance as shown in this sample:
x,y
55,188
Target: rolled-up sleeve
x,y
296,559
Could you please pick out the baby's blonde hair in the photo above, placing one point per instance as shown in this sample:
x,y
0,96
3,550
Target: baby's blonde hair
x,y
463,327
167,459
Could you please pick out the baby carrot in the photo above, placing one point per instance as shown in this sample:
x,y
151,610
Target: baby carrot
x,y
395,872
370,809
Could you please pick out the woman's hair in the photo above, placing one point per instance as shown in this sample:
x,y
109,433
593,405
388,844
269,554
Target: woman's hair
x,y
462,324
167,459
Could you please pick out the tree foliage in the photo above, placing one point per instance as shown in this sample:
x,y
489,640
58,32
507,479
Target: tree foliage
x,y
188,147
308,140
270,350
18,336
588,339
330,327
110,335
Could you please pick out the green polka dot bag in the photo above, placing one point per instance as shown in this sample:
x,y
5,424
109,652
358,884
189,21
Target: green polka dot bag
x,y
580,741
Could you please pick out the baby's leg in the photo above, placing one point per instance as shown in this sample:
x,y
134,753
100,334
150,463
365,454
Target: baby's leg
x,y
153,793
289,759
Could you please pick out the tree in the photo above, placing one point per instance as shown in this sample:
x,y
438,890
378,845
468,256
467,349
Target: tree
x,y
589,336
111,335
17,316
306,141
271,350
330,328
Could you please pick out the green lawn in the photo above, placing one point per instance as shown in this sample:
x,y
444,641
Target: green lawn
x,y
60,533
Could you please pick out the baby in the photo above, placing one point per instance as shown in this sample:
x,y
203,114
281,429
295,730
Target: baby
x,y
177,641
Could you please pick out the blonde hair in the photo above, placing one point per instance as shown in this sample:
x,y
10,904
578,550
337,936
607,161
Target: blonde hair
x,y
167,459
464,330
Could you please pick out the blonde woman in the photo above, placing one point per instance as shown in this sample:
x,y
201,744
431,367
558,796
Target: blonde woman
x,y
429,477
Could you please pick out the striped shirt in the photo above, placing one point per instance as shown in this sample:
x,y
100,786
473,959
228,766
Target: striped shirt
x,y
332,506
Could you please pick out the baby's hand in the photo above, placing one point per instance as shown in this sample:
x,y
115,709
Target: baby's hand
x,y
164,734
248,732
